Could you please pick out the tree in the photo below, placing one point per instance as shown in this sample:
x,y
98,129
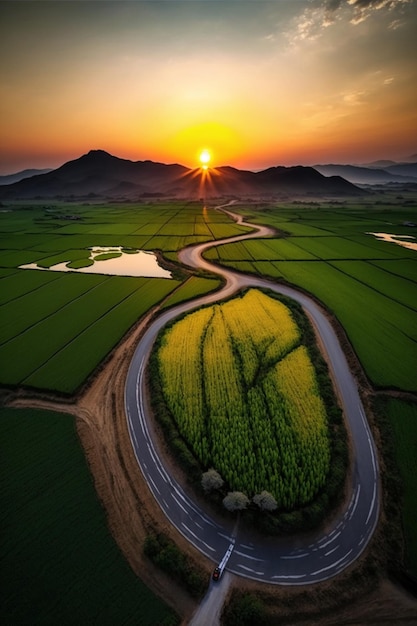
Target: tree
x,y
211,480
265,501
235,501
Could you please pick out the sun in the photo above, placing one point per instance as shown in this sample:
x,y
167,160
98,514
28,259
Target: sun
x,y
205,157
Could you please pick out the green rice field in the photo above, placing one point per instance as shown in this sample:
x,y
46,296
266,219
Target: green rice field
x,y
403,419
370,285
56,327
59,562
54,336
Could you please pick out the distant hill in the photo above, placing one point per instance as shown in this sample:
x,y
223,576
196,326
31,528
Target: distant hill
x,y
403,169
364,175
8,179
379,164
99,174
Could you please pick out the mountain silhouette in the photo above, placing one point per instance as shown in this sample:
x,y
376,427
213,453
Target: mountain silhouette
x,y
100,174
8,179
372,174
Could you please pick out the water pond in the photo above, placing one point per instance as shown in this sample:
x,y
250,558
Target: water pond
x,y
401,240
114,261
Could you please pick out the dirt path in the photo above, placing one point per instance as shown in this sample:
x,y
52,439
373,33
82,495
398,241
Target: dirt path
x,y
210,609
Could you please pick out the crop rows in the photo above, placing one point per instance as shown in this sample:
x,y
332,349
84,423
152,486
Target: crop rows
x,y
382,331
19,283
371,288
193,287
259,249
55,328
403,418
395,287
22,313
63,564
243,393
61,349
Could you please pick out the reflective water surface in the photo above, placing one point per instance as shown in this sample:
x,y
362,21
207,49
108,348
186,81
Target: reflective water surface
x,y
132,263
398,239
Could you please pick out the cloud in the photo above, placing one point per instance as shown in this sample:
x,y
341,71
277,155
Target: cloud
x,y
322,14
310,24
354,98
396,24
363,9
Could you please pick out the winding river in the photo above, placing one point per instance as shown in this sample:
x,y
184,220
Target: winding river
x,y
295,560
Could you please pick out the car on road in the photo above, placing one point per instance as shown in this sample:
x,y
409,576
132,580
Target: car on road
x,y
216,573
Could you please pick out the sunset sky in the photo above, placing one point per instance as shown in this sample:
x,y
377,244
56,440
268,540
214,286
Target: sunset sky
x,y
255,83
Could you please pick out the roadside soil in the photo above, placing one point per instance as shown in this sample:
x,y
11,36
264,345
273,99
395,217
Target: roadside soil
x,y
132,511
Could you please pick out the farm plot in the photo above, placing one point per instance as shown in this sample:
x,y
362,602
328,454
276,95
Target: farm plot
x,y
201,229
403,420
281,249
243,393
22,313
62,564
192,288
293,227
382,331
383,249
258,249
338,248
14,258
381,326
404,268
220,230
396,288
86,327
16,283
231,251
169,243
61,326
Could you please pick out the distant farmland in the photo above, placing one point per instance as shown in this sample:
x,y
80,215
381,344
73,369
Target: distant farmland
x,y
370,285
56,327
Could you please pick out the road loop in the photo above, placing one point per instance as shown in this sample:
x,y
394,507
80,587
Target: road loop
x,y
292,560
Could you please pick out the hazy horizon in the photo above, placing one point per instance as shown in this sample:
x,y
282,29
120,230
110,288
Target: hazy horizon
x,y
256,83
406,159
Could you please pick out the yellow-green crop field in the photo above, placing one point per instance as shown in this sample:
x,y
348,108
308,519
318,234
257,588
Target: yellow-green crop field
x,y
243,393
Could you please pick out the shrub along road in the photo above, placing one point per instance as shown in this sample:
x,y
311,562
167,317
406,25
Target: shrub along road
x,y
284,561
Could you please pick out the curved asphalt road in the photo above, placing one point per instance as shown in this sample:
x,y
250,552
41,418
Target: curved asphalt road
x,y
284,561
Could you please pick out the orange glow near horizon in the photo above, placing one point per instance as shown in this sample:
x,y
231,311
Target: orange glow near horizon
x,y
208,138
206,181
283,83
